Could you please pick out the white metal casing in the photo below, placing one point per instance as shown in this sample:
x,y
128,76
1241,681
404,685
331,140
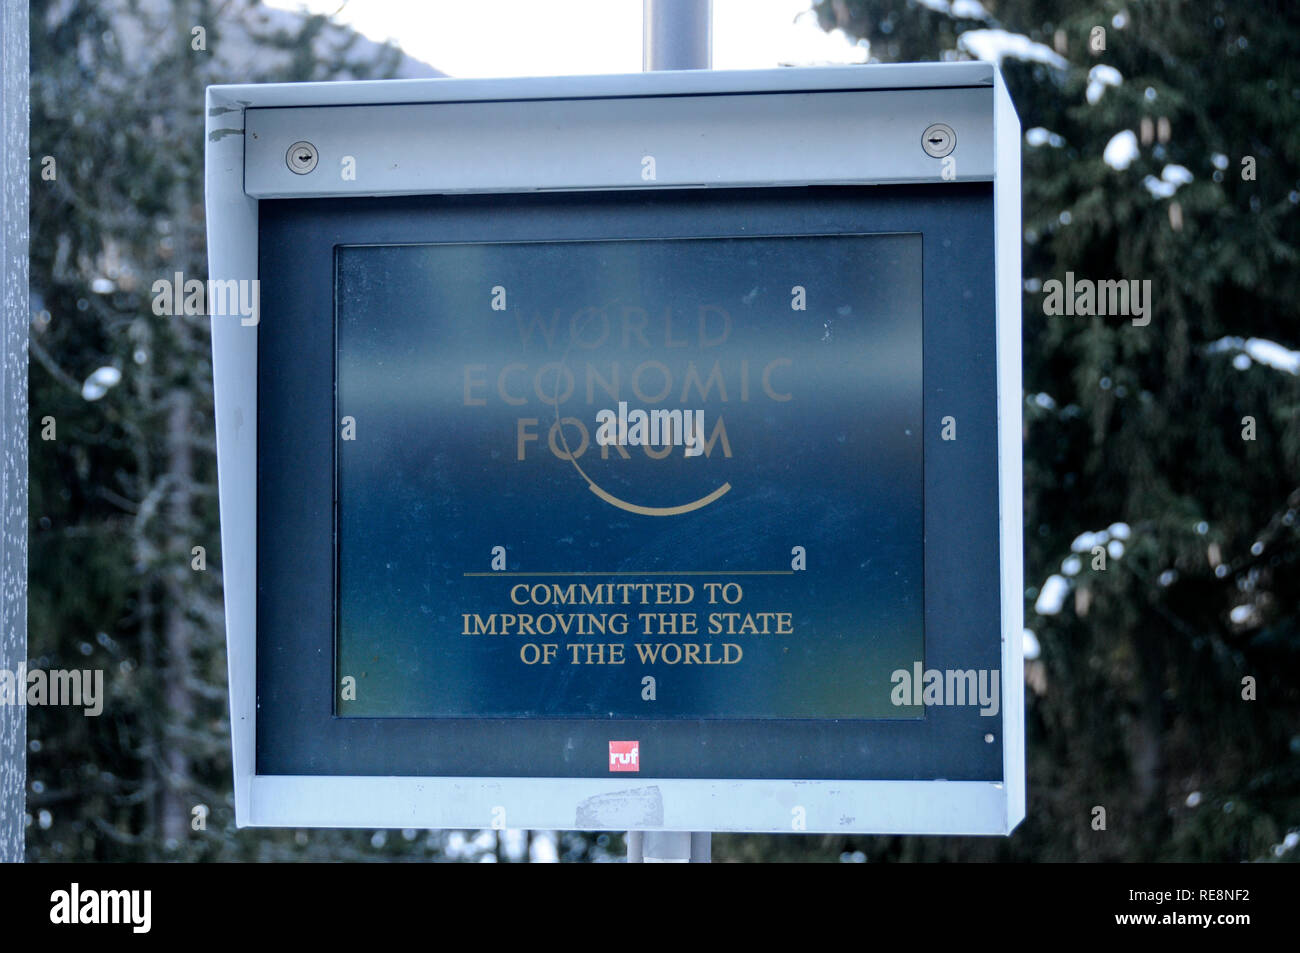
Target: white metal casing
x,y
706,129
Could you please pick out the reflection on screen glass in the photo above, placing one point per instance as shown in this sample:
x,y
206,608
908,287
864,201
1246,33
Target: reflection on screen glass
x,y
632,479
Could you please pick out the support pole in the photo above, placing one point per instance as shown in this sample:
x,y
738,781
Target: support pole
x,y
669,847
15,309
676,34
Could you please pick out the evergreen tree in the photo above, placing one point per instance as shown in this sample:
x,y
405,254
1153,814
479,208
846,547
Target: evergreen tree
x,y
126,490
1136,437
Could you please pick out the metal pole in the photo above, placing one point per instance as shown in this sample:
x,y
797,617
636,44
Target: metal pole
x,y
15,307
669,847
676,34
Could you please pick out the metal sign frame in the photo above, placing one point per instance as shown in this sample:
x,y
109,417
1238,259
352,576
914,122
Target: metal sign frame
x,y
794,127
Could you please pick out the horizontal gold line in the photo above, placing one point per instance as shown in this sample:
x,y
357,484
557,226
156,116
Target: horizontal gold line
x,y
656,572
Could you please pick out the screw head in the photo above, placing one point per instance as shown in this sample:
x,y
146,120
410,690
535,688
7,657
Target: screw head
x,y
938,140
301,157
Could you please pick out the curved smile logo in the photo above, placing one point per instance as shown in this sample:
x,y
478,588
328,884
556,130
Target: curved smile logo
x,y
657,431
639,404
640,428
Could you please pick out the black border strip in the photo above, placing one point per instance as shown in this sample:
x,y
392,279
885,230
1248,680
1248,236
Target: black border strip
x,y
297,732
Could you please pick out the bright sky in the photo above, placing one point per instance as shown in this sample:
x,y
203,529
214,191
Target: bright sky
x,y
559,37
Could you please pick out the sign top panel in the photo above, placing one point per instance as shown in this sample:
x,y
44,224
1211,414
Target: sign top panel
x,y
667,83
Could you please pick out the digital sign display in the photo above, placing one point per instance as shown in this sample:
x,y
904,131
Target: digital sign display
x,y
661,475
663,479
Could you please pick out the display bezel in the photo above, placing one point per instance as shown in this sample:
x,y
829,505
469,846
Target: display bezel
x,y
298,732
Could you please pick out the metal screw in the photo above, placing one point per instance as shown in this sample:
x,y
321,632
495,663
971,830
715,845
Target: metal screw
x,y
301,157
939,140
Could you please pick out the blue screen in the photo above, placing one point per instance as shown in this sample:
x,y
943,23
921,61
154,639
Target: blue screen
x,y
634,479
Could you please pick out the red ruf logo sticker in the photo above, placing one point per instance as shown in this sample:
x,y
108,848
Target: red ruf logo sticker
x,y
625,756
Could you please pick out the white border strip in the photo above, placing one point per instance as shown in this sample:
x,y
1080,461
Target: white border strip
x,y
776,139
1006,229
232,253
660,83
631,803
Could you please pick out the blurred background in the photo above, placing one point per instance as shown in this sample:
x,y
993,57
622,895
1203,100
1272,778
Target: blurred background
x,y
1165,147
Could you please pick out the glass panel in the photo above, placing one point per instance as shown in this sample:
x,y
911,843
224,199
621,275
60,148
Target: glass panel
x,y
660,435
